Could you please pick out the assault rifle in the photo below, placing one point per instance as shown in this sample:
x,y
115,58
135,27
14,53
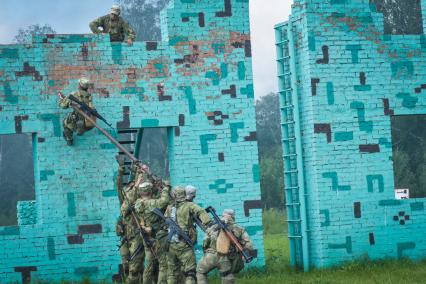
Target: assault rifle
x,y
85,108
247,258
75,106
174,228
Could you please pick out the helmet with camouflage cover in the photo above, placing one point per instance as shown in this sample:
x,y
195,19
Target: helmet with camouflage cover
x,y
179,193
191,192
228,215
84,83
145,188
116,10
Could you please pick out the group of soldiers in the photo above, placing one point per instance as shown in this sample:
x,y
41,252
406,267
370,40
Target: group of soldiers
x,y
158,224
169,257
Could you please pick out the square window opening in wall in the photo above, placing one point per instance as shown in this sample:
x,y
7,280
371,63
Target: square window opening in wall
x,y
409,155
150,145
401,17
16,175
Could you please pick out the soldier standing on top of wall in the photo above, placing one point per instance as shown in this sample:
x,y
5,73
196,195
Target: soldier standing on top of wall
x,y
220,253
75,122
115,26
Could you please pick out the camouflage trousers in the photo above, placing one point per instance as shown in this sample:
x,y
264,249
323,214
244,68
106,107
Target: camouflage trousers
x,y
125,254
181,260
159,265
136,265
212,260
74,123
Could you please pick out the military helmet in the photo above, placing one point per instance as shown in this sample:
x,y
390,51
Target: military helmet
x,y
229,213
84,83
191,192
116,10
145,188
179,193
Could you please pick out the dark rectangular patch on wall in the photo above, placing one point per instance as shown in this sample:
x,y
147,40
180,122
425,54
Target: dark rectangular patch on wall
x,y
177,131
201,20
75,239
90,229
251,204
371,238
369,148
18,122
357,209
247,48
125,123
181,120
151,45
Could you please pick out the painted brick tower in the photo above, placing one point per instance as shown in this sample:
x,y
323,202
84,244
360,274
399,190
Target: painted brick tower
x,y
197,83
342,78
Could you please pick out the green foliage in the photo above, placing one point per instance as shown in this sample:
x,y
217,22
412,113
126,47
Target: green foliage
x,y
409,153
270,151
143,16
25,35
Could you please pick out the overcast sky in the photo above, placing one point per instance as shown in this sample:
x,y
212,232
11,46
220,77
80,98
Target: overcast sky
x,y
73,16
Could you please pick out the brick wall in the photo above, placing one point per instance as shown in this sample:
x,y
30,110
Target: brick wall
x,y
204,62
351,79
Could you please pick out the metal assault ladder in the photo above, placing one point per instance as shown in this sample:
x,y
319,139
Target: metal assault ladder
x,y
292,147
130,139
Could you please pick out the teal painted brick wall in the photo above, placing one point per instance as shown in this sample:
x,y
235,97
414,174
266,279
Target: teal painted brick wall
x,y
204,62
352,79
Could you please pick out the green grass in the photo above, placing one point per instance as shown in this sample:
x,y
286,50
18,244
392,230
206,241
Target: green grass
x,y
278,269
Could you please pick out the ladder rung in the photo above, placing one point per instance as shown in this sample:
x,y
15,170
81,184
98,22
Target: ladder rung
x,y
289,156
290,172
288,122
289,139
283,58
293,204
284,74
127,131
294,221
291,187
294,237
127,142
122,153
281,42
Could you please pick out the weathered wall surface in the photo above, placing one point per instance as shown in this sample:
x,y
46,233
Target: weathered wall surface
x,y
354,78
204,62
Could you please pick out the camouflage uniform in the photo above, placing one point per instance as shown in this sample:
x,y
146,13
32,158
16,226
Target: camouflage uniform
x,y
75,122
181,256
116,27
158,232
134,240
225,263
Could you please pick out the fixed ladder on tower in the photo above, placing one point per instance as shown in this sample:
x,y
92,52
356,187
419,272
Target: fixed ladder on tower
x,y
292,158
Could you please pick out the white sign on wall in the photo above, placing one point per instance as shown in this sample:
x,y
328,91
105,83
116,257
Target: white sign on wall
x,y
402,193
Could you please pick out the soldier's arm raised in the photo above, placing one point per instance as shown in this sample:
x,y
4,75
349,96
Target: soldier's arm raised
x,y
163,201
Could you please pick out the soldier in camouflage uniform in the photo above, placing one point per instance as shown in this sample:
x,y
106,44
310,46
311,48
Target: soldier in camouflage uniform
x,y
133,241
157,230
114,25
227,263
181,256
75,122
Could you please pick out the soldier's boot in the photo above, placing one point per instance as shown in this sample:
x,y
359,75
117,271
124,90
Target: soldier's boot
x,y
227,277
68,136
